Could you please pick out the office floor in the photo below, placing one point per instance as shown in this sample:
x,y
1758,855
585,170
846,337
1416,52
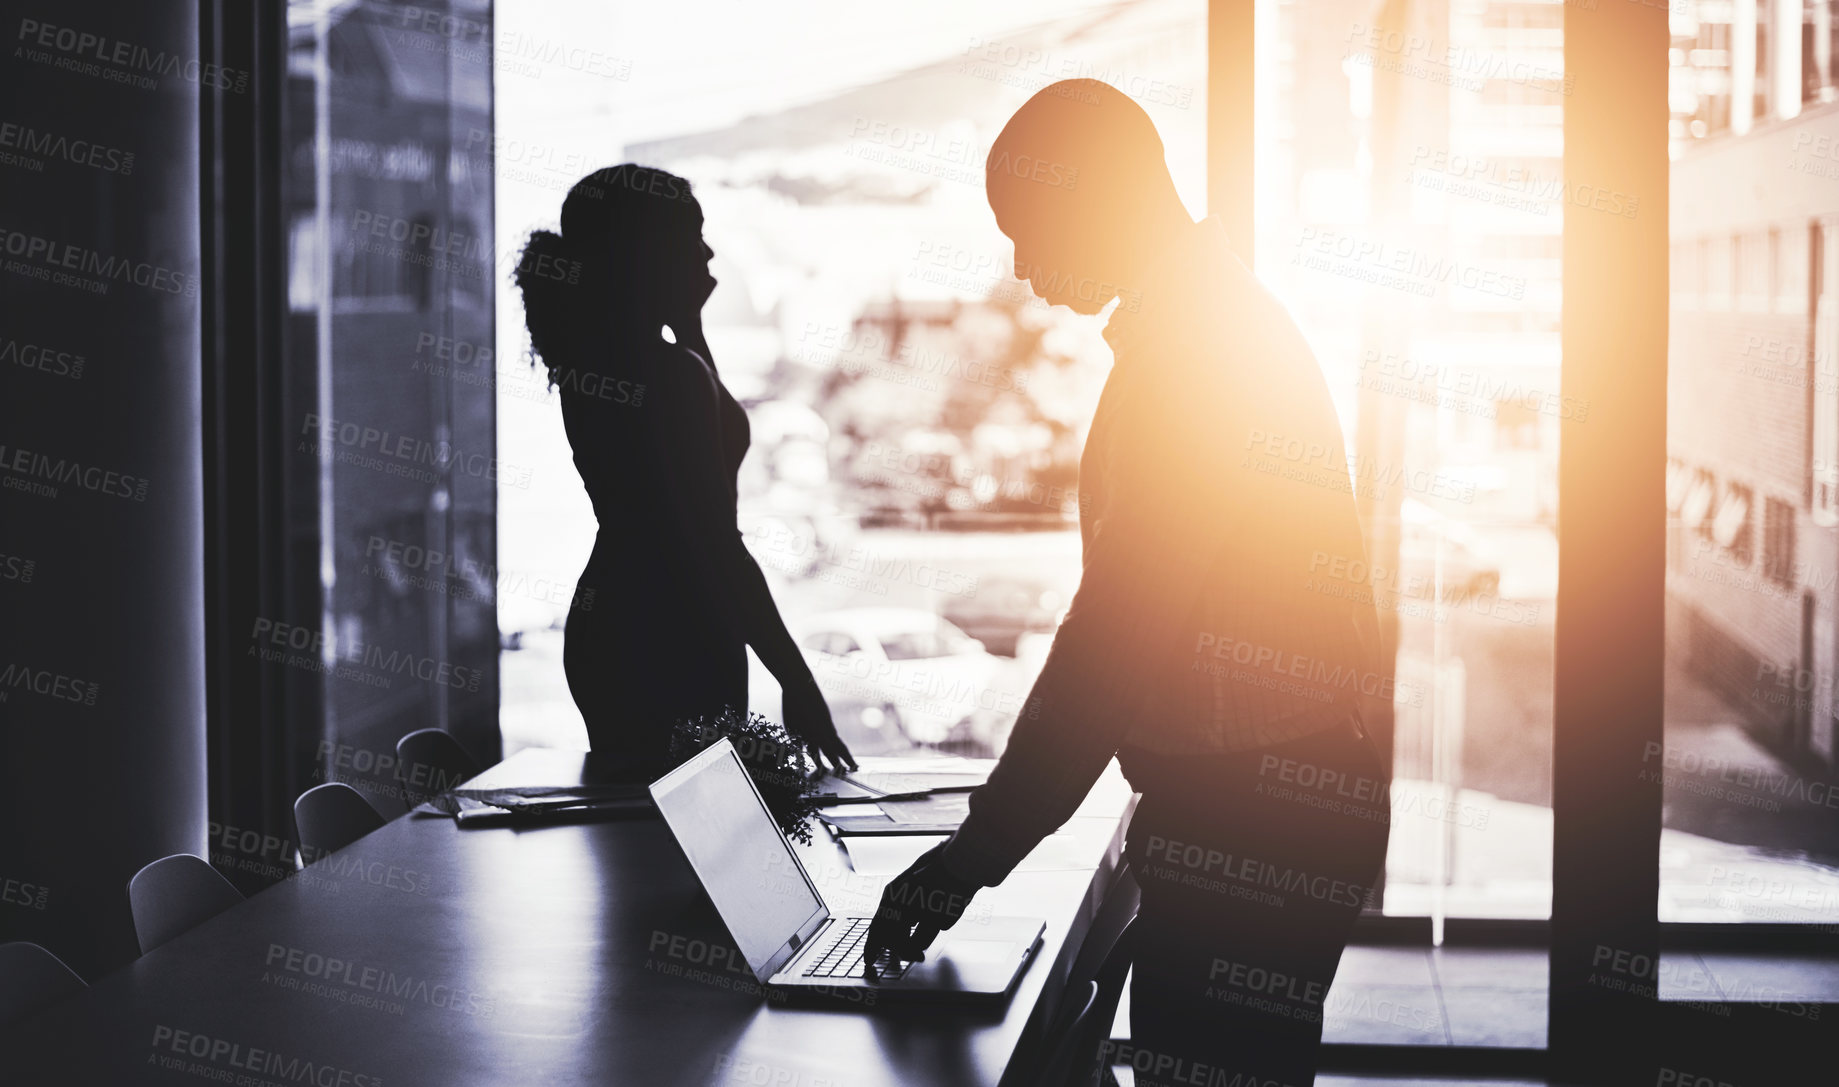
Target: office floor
x,y
1443,996
1345,1081
1124,1080
1497,996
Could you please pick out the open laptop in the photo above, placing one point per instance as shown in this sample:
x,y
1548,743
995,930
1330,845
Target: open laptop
x,y
781,924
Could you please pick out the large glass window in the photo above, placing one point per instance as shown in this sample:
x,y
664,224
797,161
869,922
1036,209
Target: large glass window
x,y
391,474
1747,766
918,415
911,490
1411,201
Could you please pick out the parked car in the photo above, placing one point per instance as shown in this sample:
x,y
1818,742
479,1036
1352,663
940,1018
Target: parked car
x,y
1005,608
904,671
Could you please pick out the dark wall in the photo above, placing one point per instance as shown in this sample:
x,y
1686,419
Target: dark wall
x,y
101,627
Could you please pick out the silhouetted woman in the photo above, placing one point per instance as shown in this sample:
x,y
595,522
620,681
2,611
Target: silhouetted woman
x,y
670,598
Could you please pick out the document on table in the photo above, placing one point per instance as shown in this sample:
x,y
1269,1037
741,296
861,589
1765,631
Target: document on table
x,y
889,856
941,812
881,775
942,808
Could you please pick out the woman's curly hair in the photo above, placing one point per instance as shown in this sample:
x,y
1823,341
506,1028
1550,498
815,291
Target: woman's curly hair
x,y
615,221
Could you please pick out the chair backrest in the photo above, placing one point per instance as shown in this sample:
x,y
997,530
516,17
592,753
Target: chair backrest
x,y
1092,1030
1095,984
330,817
1077,1007
1114,913
173,894
31,979
430,761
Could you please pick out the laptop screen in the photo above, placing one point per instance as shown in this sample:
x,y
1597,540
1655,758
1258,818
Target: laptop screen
x,y
744,862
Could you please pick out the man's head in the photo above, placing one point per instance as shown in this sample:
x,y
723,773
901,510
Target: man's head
x,y
1078,182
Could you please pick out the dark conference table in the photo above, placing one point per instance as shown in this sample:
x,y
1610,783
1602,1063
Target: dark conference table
x,y
563,953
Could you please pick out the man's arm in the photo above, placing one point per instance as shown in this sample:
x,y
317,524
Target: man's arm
x,y
1161,532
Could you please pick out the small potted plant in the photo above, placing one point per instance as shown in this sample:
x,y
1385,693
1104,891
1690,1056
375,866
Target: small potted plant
x,y
775,761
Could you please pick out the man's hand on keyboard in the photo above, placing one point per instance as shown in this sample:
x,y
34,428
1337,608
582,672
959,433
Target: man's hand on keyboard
x,y
921,901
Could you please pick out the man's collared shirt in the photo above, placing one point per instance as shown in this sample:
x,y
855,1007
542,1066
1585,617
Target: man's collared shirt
x,y
1223,605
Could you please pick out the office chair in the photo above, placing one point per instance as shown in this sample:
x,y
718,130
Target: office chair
x,y
1077,1007
1114,913
330,817
32,979
429,762
1082,1022
173,894
1076,1057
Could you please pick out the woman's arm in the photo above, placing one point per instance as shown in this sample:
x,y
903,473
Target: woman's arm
x,y
806,712
765,628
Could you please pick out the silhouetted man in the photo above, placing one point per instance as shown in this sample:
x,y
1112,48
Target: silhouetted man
x,y
1222,637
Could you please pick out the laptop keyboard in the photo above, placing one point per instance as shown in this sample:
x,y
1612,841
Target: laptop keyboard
x,y
843,958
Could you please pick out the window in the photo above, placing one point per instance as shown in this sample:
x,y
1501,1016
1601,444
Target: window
x,y
1750,605
1764,42
1774,256
1830,39
1778,542
1817,51
917,415
390,473
304,281
1789,257
1823,382
1679,481
1700,79
1697,502
1750,254
1730,527
1516,425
